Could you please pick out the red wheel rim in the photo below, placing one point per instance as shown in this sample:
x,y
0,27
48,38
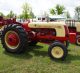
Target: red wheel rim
x,y
12,39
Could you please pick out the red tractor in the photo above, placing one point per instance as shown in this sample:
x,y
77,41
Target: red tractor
x,y
74,27
16,37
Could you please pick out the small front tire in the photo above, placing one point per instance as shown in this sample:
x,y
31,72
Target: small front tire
x,y
57,51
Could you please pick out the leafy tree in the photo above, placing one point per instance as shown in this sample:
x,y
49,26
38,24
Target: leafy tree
x,y
1,14
31,14
77,12
67,14
20,16
52,11
11,14
59,9
27,11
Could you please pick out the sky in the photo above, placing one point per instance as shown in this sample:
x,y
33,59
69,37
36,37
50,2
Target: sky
x,y
38,6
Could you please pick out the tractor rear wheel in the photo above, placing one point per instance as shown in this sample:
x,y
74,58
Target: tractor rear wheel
x,y
33,43
57,51
14,38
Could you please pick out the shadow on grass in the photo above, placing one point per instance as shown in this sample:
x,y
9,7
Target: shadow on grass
x,y
69,58
29,53
35,51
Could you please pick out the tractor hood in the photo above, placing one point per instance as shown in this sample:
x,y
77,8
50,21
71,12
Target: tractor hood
x,y
77,25
46,24
58,26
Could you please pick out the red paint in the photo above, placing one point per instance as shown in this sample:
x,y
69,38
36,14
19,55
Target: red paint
x,y
72,37
13,39
45,34
39,34
66,31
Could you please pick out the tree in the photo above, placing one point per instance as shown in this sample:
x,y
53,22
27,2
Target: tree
x,y
67,14
11,14
77,12
59,9
27,11
52,11
1,14
31,14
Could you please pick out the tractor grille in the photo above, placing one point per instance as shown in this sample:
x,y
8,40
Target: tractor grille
x,y
70,23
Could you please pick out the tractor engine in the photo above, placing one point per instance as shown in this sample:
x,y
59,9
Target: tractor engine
x,y
43,32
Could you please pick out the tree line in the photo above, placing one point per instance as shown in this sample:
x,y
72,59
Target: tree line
x,y
28,12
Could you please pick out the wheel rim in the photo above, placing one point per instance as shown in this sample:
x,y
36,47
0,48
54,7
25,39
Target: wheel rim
x,y
57,52
12,39
78,41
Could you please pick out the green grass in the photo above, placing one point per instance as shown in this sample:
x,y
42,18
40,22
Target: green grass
x,y
36,60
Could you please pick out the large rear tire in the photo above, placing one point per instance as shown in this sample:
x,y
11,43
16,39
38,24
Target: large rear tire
x,y
14,38
57,51
33,43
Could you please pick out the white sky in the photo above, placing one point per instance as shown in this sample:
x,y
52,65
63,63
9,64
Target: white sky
x,y
37,5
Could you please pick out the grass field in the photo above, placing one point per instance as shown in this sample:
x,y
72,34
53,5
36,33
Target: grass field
x,y
36,60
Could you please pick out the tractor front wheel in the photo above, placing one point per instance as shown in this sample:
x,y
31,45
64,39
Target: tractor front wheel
x,y
14,38
57,51
66,43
